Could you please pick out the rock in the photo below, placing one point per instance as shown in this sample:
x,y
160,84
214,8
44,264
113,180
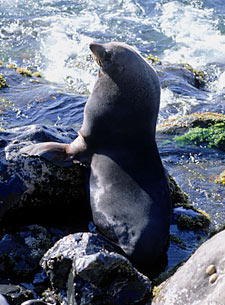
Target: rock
x,y
85,268
180,125
21,252
188,226
221,178
180,78
185,215
191,284
31,189
3,300
3,83
15,75
14,294
197,128
34,191
189,218
178,197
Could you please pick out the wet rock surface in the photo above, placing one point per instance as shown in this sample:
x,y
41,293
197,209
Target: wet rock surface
x,y
200,280
35,191
207,129
87,269
177,76
3,300
21,252
221,178
14,294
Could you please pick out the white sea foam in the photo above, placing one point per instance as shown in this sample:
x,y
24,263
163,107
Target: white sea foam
x,y
54,36
64,45
65,53
194,31
174,105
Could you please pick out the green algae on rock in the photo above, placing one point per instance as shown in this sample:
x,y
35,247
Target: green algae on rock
x,y
153,59
178,197
186,222
206,129
24,72
200,76
3,83
187,217
221,178
212,136
37,74
177,240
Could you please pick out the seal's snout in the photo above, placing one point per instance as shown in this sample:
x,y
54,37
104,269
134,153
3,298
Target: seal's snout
x,y
98,52
97,49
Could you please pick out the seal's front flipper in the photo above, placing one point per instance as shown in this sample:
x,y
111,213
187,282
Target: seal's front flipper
x,y
60,154
51,151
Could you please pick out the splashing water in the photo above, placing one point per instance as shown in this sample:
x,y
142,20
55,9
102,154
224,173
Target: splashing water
x,y
197,39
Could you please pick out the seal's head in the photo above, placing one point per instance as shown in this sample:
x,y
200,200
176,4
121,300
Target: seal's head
x,y
100,54
115,57
126,80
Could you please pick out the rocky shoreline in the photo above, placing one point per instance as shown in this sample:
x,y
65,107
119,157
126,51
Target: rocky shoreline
x,y
49,248
45,204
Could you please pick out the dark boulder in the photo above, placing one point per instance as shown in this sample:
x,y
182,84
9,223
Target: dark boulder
x,y
86,268
21,252
14,294
34,190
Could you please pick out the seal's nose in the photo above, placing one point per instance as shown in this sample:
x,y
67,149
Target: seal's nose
x,y
97,49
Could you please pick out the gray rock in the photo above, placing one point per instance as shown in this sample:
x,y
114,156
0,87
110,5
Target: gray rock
x,y
14,294
3,300
201,280
85,268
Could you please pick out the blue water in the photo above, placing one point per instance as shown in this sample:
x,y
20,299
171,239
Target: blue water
x,y
52,37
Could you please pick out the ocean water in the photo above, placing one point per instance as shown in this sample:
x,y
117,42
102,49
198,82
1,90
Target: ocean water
x,y
52,37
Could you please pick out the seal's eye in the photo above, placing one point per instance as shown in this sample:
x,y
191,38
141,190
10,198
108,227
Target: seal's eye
x,y
108,56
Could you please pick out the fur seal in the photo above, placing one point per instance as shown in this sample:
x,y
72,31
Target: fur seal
x,y
127,187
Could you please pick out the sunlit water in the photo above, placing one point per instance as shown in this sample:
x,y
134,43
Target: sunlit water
x,y
53,36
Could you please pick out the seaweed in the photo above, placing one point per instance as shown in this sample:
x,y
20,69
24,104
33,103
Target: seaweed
x,y
213,136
